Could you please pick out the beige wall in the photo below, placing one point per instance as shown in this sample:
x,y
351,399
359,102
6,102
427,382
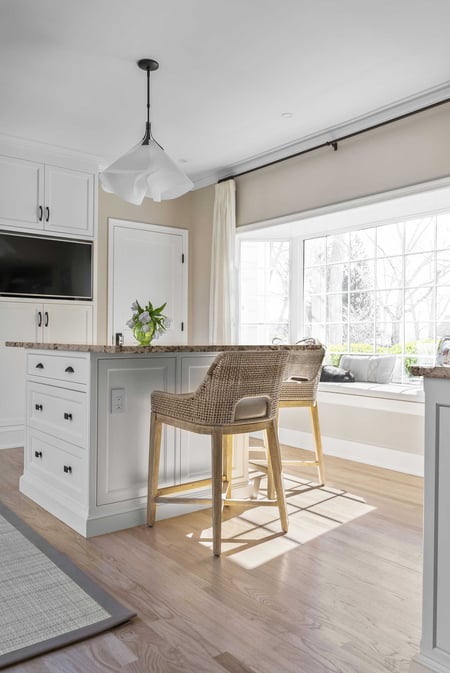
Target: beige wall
x,y
407,152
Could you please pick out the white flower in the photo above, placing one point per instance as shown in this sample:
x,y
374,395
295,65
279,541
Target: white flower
x,y
130,323
145,328
144,317
134,306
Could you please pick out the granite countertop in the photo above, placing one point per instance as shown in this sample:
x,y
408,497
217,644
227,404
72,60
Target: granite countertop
x,y
431,372
105,348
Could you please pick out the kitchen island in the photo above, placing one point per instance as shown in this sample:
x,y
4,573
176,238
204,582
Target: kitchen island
x,y
87,429
434,655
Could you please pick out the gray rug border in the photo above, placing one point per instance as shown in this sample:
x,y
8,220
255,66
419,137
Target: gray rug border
x,y
119,613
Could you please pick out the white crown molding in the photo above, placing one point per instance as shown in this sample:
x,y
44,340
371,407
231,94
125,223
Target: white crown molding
x,y
381,115
34,150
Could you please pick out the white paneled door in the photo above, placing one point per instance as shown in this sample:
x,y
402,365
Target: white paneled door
x,y
148,263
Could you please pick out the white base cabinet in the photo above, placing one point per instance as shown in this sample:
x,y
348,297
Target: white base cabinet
x,y
34,321
88,421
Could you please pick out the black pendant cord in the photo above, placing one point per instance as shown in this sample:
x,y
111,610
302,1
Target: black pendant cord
x,y
148,131
334,143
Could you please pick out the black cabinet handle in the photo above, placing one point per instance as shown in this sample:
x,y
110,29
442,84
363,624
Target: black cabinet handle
x,y
69,370
41,213
39,318
38,454
46,319
39,365
38,407
67,417
67,469
47,213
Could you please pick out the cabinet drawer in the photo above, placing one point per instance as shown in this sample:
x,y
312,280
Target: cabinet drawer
x,y
59,412
63,470
59,367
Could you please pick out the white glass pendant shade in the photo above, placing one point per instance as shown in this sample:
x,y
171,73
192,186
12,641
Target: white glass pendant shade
x,y
146,170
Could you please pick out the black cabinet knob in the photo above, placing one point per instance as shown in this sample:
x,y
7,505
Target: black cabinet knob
x,y
47,213
38,407
67,417
38,454
67,469
39,365
69,370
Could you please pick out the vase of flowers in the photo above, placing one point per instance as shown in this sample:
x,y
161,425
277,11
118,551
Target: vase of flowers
x,y
147,322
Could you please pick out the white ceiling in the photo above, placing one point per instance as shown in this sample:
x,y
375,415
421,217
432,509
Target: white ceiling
x,y
229,69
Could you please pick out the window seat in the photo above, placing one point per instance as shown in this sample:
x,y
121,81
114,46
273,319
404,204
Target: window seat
x,y
392,391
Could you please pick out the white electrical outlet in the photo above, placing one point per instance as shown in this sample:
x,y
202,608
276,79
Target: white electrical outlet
x,y
117,400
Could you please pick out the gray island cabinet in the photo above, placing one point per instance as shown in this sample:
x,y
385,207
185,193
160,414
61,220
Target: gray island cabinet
x,y
434,655
87,430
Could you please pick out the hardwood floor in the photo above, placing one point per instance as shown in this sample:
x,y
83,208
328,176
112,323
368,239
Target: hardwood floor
x,y
340,593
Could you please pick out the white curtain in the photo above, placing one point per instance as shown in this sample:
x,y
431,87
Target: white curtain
x,y
221,309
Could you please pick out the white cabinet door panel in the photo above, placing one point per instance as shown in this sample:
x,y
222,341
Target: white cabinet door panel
x,y
69,198
145,263
67,323
17,323
21,193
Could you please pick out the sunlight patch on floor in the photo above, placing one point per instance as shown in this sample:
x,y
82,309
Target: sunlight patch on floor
x,y
253,536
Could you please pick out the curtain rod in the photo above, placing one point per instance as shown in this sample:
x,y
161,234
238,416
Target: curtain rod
x,y
334,143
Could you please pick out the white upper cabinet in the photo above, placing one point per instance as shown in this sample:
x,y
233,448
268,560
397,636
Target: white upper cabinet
x,y
48,198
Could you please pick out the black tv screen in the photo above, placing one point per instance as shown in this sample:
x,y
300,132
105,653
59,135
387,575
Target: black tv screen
x,y
38,266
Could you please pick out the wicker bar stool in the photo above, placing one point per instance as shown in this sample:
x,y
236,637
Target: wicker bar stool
x,y
239,394
299,389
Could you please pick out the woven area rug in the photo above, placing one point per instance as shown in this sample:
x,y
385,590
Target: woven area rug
x,y
46,602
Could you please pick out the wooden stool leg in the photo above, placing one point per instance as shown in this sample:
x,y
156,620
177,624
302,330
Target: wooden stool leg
x,y
217,471
317,443
228,461
270,484
275,461
153,467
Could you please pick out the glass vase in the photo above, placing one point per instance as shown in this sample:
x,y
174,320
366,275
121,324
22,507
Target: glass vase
x,y
144,338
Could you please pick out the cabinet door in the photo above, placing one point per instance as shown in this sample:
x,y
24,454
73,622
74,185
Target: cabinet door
x,y
146,263
21,193
69,201
67,323
18,322
123,433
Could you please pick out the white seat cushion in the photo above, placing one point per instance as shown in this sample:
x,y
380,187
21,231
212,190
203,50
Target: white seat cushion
x,y
372,368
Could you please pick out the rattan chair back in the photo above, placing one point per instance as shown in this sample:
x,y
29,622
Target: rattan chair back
x,y
303,374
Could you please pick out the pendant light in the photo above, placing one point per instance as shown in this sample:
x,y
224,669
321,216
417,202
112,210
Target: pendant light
x,y
146,169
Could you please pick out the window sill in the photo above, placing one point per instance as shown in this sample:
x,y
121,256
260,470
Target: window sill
x,y
390,391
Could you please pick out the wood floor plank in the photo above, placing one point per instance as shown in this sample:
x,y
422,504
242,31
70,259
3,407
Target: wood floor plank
x,y
340,593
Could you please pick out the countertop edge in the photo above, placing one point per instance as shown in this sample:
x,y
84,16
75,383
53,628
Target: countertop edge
x,y
182,348
431,372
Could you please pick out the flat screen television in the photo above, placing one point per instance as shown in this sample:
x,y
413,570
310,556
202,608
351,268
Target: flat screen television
x,y
38,266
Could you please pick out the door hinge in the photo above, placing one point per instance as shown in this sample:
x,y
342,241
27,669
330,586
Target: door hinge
x,y
182,326
182,257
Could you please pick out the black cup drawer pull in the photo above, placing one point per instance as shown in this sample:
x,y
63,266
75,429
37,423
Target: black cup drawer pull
x,y
38,407
39,365
69,370
67,469
38,454
67,417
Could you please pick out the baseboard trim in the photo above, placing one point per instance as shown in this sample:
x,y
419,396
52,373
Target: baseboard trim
x,y
369,454
12,437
